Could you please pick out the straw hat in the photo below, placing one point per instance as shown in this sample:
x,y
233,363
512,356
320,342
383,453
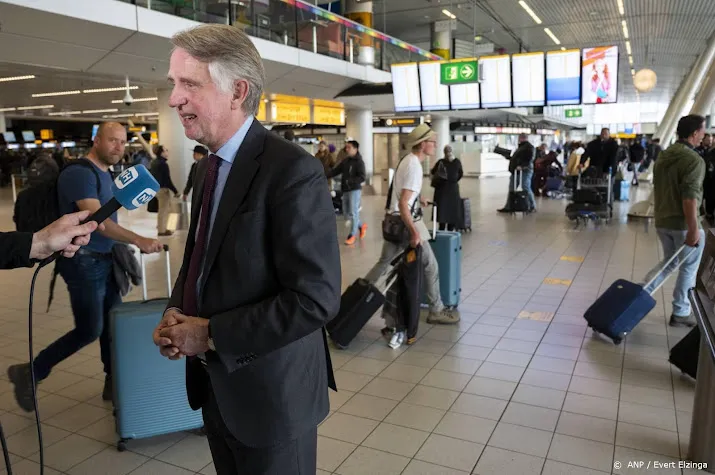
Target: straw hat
x,y
418,135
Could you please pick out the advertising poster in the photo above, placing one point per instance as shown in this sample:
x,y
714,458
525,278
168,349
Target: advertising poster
x,y
599,75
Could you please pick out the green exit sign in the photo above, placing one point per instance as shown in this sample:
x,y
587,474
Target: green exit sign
x,y
573,113
460,72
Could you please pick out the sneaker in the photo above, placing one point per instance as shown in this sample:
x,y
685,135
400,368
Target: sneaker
x,y
108,391
397,340
166,234
21,377
363,231
444,317
676,321
350,240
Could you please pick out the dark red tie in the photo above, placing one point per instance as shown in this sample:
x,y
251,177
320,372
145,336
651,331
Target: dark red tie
x,y
190,305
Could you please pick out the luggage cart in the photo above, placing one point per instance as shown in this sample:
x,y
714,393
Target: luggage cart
x,y
592,200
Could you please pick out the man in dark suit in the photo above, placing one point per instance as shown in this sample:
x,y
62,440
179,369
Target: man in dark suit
x,y
261,273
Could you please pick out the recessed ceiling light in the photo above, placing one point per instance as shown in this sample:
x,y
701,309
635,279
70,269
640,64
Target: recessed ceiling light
x,y
99,111
449,14
139,99
58,93
27,108
109,89
17,78
477,38
530,12
552,36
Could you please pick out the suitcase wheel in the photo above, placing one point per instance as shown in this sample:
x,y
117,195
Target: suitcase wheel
x,y
122,445
617,340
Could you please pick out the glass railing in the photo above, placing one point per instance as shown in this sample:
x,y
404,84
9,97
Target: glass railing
x,y
299,24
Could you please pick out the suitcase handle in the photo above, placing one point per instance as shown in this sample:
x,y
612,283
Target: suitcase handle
x,y
517,179
663,271
142,264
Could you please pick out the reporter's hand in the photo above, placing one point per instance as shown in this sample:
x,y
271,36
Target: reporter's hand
x,y
415,240
66,235
184,197
170,318
424,202
692,239
190,335
148,246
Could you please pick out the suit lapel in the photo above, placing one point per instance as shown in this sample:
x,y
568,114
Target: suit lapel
x,y
239,180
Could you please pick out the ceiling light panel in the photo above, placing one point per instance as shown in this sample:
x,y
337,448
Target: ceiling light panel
x,y
530,12
7,109
140,99
99,111
628,47
65,113
58,93
552,36
16,78
625,29
28,108
109,89
621,9
449,14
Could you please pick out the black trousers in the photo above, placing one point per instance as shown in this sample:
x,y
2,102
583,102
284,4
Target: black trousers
x,y
231,457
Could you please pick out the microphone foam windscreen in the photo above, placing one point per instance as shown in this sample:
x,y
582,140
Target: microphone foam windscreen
x,y
134,187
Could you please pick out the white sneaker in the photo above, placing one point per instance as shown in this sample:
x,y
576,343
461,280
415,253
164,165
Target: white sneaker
x,y
397,340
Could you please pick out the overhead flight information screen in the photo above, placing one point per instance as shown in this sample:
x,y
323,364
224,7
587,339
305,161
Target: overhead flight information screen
x,y
528,79
563,77
600,75
496,81
435,96
465,96
406,87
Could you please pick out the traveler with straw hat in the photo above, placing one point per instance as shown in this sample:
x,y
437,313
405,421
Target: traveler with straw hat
x,y
405,200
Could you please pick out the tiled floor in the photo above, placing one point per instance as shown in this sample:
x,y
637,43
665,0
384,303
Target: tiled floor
x,y
518,387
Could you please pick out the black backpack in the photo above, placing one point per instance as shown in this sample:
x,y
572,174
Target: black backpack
x,y
38,205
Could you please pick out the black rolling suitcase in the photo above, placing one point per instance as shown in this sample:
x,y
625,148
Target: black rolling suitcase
x,y
518,200
684,355
465,224
358,304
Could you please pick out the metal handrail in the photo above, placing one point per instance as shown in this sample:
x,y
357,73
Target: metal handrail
x,y
701,314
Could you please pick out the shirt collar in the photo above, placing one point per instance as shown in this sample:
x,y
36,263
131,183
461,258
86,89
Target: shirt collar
x,y
687,144
230,149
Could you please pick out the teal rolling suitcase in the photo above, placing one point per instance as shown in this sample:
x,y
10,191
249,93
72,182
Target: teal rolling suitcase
x,y
149,390
447,249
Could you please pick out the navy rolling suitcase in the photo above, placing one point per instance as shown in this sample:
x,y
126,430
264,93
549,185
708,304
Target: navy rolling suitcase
x,y
465,224
149,389
624,304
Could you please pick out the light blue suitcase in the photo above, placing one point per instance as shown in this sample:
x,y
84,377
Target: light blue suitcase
x,y
447,249
149,390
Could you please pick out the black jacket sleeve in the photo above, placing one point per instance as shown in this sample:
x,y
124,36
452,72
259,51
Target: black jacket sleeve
x,y
15,248
337,170
360,174
190,180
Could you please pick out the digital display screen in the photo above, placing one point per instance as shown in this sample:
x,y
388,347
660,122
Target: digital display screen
x,y
28,136
495,72
465,96
435,96
599,77
9,137
528,83
563,77
406,87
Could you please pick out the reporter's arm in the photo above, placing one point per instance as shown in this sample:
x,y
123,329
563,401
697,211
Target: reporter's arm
x,y
406,211
15,248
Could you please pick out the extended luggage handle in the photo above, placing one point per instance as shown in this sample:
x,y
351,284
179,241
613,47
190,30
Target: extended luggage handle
x,y
664,270
142,264
516,184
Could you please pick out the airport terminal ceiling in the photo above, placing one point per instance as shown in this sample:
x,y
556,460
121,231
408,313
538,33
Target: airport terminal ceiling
x,y
665,35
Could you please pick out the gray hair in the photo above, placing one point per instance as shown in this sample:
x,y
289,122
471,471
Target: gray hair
x,y
231,56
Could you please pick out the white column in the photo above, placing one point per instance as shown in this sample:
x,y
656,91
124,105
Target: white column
x,y
441,127
3,127
358,125
692,84
171,135
441,38
706,96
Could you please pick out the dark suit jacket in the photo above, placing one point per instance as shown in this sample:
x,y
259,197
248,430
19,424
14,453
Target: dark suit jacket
x,y
271,282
